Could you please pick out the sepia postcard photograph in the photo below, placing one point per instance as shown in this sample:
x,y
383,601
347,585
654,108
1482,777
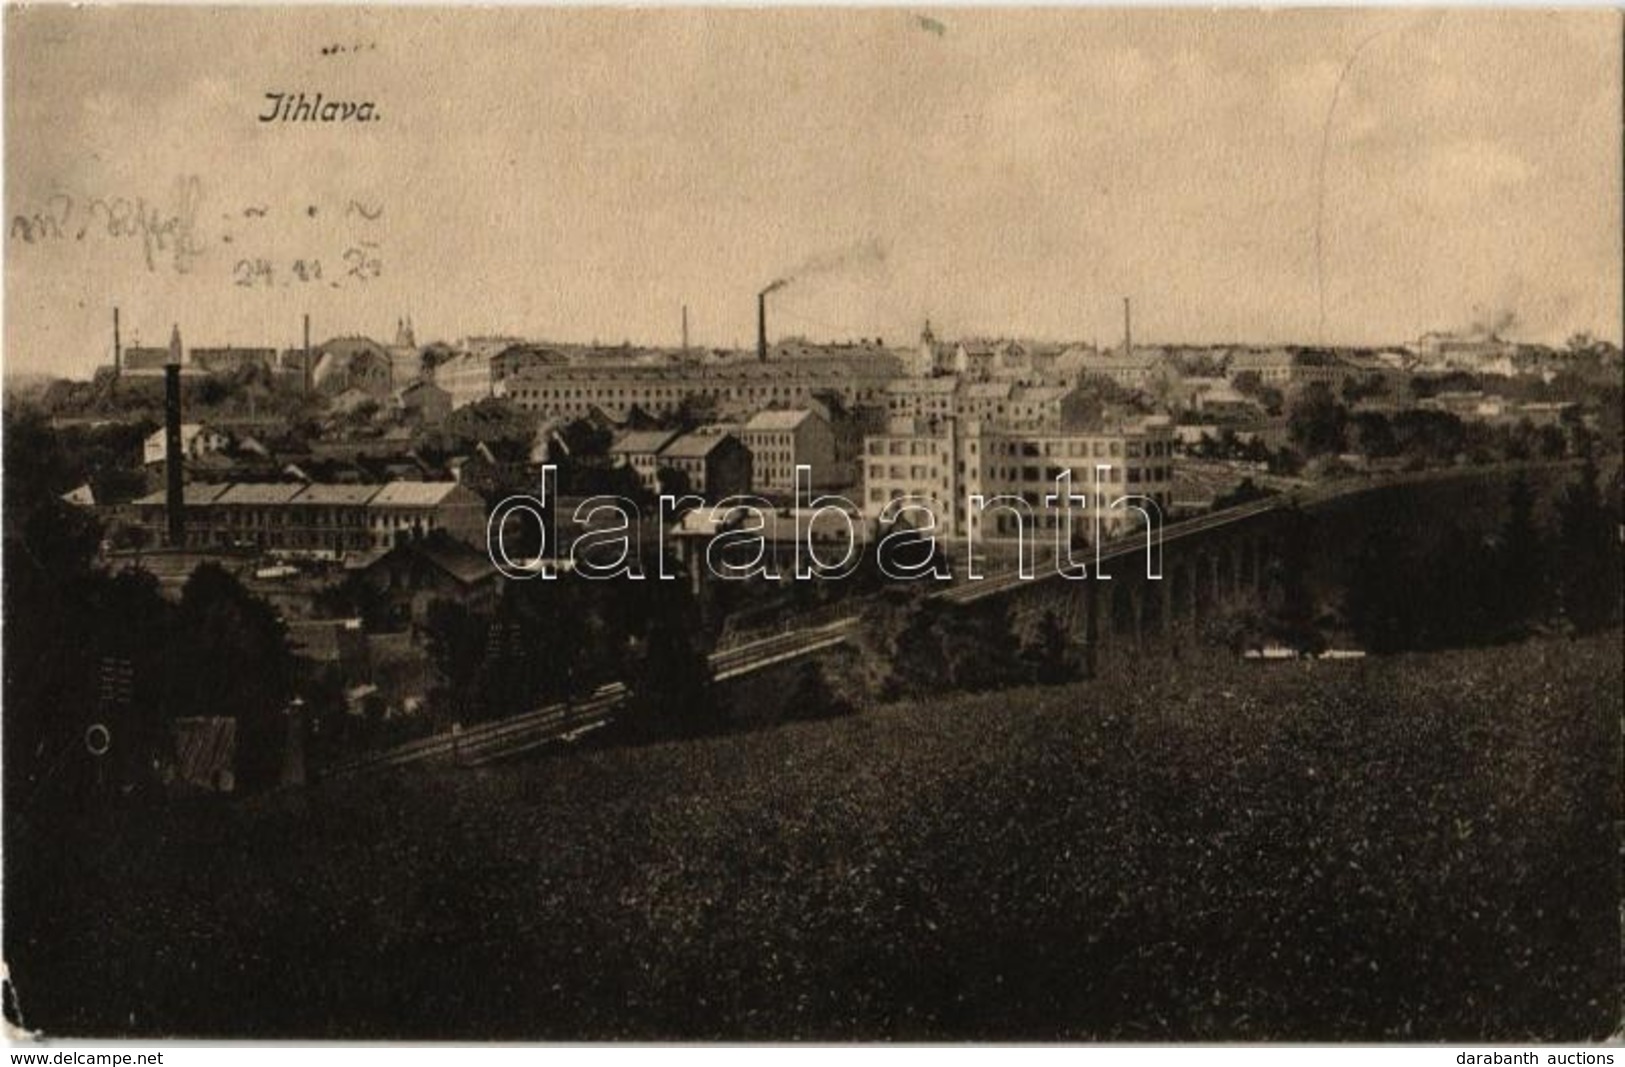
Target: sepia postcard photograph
x,y
852,525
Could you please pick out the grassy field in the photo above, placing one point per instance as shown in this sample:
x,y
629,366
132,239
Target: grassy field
x,y
1408,849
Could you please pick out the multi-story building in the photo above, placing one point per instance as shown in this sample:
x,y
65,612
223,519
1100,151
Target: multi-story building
x,y
423,402
1012,406
659,389
144,359
316,520
515,358
346,363
982,360
992,403
229,360
1287,368
417,508
918,462
1462,351
923,398
780,440
946,465
640,450
715,465
465,377
1137,369
330,519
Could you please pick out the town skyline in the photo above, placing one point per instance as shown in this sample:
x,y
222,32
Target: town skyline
x,y
1009,175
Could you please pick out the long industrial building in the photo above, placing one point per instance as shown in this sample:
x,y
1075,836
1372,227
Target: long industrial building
x,y
316,521
744,386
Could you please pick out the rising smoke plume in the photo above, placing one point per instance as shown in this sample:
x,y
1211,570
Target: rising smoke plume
x,y
1492,324
863,253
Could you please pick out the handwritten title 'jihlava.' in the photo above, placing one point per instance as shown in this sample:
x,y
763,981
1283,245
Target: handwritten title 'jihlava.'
x,y
297,107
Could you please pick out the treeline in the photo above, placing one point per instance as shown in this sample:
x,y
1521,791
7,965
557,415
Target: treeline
x,y
547,642
86,647
1321,424
1406,590
914,647
44,462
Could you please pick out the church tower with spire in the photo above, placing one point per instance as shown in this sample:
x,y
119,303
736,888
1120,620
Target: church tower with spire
x,y
925,358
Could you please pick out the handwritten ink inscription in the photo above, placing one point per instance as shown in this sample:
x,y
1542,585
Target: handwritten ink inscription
x,y
167,231
170,234
360,263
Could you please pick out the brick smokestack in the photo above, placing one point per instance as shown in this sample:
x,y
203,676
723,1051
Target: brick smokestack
x,y
174,497
309,377
118,358
761,326
1128,329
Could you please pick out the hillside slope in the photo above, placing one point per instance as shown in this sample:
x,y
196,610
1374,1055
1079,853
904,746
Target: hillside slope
x,y
1407,849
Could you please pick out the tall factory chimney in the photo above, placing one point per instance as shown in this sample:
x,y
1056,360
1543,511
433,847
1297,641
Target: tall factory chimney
x,y
174,498
1128,329
761,326
118,358
685,327
309,375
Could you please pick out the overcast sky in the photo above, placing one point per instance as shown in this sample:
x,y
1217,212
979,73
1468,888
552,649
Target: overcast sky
x,y
581,175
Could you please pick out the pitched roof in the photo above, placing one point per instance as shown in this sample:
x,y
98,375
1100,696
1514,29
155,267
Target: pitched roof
x,y
641,441
531,352
412,494
1039,393
777,420
696,445
328,493
189,432
1132,361
325,640
193,493
459,561
418,385
465,564
348,347
260,493
1073,359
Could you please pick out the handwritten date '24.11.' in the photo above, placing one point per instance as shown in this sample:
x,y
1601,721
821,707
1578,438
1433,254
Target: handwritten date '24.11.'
x,y
170,234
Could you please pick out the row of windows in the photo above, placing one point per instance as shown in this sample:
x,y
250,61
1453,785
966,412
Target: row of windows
x,y
295,540
1005,521
1044,515
1076,448
244,519
634,394
1073,448
904,446
897,472
1081,476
